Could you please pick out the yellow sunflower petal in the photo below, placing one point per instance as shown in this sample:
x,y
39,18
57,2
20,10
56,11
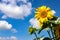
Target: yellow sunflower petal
x,y
50,15
43,7
41,24
48,8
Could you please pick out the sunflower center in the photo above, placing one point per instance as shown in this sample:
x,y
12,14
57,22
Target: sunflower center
x,y
43,14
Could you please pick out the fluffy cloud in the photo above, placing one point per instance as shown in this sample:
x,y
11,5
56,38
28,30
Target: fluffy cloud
x,y
5,25
14,1
35,23
4,17
53,11
12,10
8,38
14,30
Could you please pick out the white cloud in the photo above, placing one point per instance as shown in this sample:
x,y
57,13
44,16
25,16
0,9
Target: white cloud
x,y
5,25
14,1
4,17
14,30
53,11
13,38
23,1
8,38
35,23
14,11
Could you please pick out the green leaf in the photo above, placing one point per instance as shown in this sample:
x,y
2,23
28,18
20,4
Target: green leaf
x,y
46,38
54,18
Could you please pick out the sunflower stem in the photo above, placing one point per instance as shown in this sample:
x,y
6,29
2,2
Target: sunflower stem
x,y
55,34
49,33
52,33
36,35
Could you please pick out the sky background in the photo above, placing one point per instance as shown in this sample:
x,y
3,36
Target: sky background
x,y
20,26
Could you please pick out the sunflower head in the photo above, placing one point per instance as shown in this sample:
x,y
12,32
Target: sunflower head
x,y
43,13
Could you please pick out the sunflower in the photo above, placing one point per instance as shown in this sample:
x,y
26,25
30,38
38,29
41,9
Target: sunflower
x,y
43,13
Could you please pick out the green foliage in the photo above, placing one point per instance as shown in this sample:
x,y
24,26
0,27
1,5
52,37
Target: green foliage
x,y
54,18
46,38
32,30
51,23
38,38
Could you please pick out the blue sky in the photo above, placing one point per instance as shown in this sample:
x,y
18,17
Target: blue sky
x,y
22,25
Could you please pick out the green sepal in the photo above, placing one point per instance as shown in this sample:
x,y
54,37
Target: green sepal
x,y
32,30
